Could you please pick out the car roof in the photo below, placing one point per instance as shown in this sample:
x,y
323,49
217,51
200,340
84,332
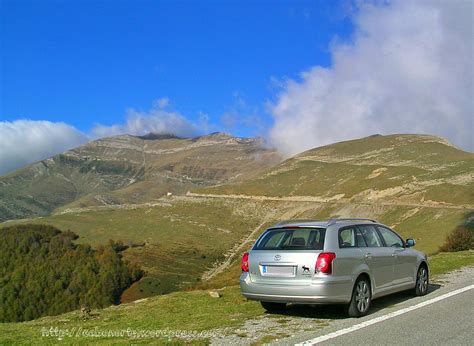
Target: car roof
x,y
323,223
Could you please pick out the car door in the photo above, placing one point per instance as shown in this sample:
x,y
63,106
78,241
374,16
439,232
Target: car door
x,y
350,256
378,258
404,261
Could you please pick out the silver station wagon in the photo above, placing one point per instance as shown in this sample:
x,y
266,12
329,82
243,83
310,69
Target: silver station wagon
x,y
340,261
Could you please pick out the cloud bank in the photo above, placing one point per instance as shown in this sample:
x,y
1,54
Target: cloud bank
x,y
26,141
408,69
156,120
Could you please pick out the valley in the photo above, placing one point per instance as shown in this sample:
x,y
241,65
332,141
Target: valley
x,y
196,241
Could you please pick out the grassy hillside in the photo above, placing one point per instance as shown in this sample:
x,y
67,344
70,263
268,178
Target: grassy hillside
x,y
178,240
128,169
175,240
180,313
400,168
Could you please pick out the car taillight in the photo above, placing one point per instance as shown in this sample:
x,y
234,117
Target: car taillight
x,y
245,262
324,262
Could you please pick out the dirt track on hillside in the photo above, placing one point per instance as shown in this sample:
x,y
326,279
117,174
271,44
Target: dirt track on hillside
x,y
335,199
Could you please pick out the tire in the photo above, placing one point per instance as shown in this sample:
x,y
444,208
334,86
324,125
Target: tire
x,y
422,281
273,307
361,298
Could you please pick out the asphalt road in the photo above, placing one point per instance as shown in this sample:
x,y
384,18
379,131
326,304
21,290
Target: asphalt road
x,y
449,321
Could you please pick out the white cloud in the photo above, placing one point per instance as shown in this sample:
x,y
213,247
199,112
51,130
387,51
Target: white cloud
x,y
408,69
156,120
26,141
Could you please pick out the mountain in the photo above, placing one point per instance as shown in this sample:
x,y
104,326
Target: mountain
x,y
420,185
398,168
129,169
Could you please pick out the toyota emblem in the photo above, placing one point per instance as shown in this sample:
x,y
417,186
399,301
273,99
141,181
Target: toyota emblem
x,y
277,257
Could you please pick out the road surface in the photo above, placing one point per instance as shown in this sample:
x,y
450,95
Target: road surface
x,y
445,316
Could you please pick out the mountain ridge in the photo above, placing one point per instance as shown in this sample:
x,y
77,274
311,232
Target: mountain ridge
x,y
128,169
149,168
406,167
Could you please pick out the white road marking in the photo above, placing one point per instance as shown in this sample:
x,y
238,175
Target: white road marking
x,y
383,318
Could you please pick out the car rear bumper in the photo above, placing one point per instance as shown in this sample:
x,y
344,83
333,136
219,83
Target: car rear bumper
x,y
324,290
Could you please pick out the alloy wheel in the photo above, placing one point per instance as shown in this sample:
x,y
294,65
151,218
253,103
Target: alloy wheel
x,y
362,296
422,280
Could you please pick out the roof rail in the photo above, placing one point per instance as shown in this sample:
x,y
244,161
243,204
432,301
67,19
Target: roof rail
x,y
287,222
333,221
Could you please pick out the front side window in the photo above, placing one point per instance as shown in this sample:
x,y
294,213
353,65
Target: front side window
x,y
292,239
390,238
360,239
370,236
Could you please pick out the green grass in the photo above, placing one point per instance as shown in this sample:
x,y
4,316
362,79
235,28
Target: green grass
x,y
178,221
410,148
445,262
429,226
456,194
264,340
176,312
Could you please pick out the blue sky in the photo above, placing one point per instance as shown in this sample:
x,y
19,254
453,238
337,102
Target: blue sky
x,y
301,74
86,62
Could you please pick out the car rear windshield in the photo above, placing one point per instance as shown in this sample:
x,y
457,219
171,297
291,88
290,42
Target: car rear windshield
x,y
292,239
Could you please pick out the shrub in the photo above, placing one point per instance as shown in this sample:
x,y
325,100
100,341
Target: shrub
x,y
460,239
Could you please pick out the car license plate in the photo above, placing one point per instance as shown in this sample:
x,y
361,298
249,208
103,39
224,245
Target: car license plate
x,y
278,270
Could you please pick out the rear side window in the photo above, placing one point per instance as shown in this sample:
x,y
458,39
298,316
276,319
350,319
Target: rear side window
x,y
351,237
347,237
292,239
371,236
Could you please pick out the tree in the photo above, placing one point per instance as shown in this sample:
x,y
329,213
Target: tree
x,y
43,272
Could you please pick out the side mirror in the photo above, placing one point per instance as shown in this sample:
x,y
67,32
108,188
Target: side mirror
x,y
410,242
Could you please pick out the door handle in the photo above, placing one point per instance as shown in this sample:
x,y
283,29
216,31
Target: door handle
x,y
368,256
396,252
